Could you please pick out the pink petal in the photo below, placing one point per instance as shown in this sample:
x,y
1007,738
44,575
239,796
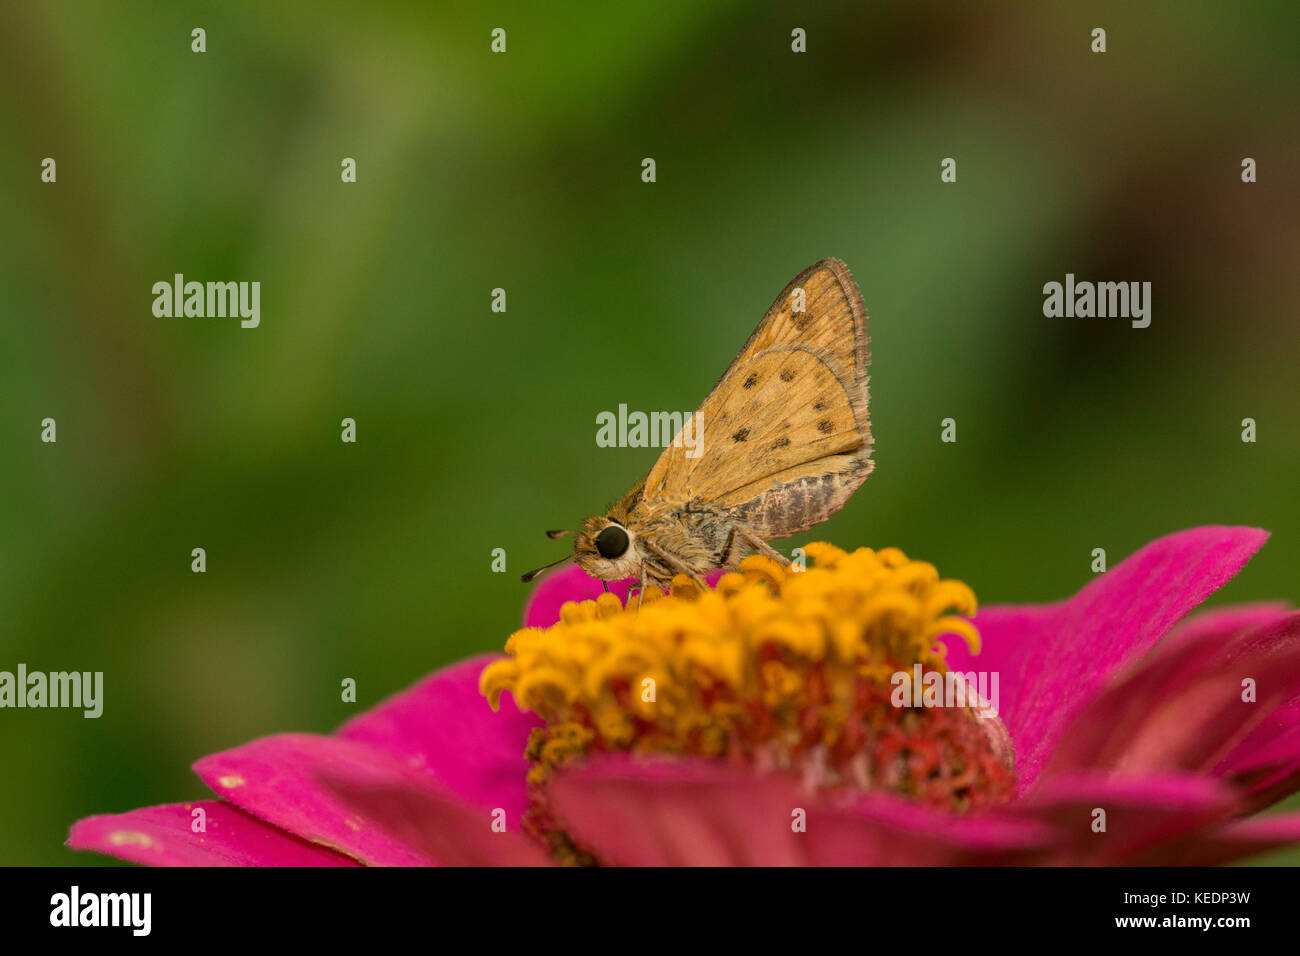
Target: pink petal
x,y
704,813
1224,623
163,836
1228,843
1142,812
895,830
556,588
1266,765
1182,708
436,825
445,726
1280,723
1272,741
278,779
1068,652
1007,635
1263,788
1281,749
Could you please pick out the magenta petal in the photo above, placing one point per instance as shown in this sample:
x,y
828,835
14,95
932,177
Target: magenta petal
x,y
1224,623
1118,617
1181,708
434,824
888,830
703,813
573,584
1266,765
676,814
1007,635
555,588
164,836
1142,812
278,780
1280,749
1266,785
1232,841
1273,741
445,726
1279,723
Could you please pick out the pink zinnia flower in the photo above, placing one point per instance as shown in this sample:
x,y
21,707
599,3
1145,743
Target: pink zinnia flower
x,y
754,725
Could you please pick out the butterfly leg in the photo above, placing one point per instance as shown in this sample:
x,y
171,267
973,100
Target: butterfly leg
x,y
758,545
729,558
673,562
740,538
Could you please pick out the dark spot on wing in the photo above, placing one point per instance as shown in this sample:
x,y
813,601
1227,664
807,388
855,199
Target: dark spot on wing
x,y
787,375
780,443
751,381
742,435
819,405
824,426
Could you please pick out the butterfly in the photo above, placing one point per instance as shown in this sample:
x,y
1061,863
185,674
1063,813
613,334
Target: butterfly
x,y
783,442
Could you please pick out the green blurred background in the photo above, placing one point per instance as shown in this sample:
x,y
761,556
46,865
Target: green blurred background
x,y
476,430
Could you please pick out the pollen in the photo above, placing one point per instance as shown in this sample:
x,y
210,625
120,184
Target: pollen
x,y
790,670
130,838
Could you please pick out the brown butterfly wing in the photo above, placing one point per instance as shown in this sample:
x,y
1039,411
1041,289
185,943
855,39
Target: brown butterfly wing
x,y
785,434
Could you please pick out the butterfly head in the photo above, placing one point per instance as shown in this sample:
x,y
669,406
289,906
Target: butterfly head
x,y
603,548
606,549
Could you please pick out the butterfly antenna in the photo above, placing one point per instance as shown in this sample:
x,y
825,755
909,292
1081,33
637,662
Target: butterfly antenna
x,y
546,567
557,534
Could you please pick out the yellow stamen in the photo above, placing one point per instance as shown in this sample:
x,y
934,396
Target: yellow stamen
x,y
790,669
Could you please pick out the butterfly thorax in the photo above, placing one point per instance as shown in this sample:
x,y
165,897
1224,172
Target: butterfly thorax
x,y
690,540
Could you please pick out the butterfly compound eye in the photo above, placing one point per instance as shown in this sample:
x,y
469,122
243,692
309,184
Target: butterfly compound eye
x,y
612,542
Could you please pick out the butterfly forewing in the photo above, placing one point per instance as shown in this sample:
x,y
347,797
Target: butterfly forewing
x,y
785,432
833,322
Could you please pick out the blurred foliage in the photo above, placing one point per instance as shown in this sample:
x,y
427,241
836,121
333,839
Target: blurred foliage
x,y
476,430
